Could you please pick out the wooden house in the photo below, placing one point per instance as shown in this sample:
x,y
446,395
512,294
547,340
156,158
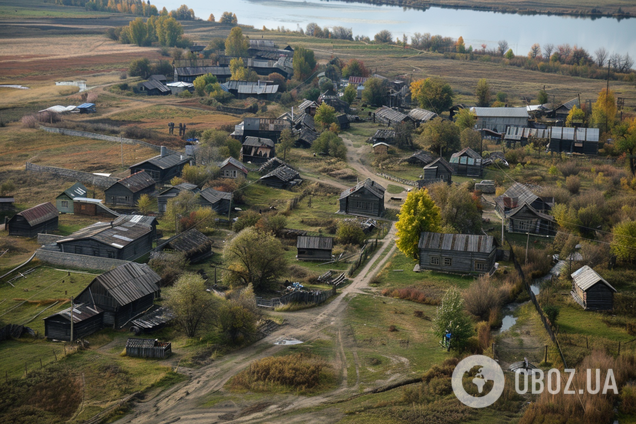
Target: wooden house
x,y
125,238
307,106
162,168
303,121
383,136
87,319
343,121
390,117
467,162
257,150
232,168
525,219
219,201
436,171
421,116
64,201
127,191
366,198
172,192
591,291
195,245
148,348
92,207
314,248
561,113
7,203
258,91
262,127
518,195
158,77
380,148
332,99
421,158
306,138
42,218
282,177
457,253
122,293
154,87
498,119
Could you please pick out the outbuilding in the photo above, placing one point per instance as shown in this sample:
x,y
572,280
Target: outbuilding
x,y
380,148
127,191
314,248
172,192
42,218
219,201
64,201
457,253
282,177
92,207
257,150
162,168
153,87
592,291
467,162
148,348
498,119
87,319
525,219
195,245
436,171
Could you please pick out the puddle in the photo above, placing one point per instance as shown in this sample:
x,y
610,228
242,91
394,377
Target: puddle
x,y
507,322
80,84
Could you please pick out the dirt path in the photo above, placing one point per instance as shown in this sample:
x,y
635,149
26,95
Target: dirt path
x,y
182,402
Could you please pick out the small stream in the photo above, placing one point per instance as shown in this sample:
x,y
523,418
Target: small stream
x,y
509,319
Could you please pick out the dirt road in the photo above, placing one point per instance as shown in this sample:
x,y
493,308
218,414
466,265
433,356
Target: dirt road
x,y
182,403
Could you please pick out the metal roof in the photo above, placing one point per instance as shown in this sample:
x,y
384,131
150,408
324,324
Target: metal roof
x,y
234,162
40,213
76,190
81,312
457,242
422,115
180,84
260,43
87,200
190,240
309,242
129,220
382,143
373,187
586,277
283,173
118,233
164,162
390,114
129,282
7,199
195,71
258,89
384,134
358,80
152,84
520,193
213,196
86,106
59,109
136,182
500,112
258,142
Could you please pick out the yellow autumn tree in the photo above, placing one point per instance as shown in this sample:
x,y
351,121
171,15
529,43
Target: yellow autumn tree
x,y
604,110
418,214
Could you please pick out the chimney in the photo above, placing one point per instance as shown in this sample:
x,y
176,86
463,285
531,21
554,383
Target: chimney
x,y
164,152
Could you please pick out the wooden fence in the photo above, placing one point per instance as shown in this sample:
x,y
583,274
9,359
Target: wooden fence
x,y
368,248
315,297
397,179
238,111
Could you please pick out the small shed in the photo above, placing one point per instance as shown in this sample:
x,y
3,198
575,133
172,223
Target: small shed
x,y
194,244
148,348
366,198
421,158
383,136
87,108
486,187
7,203
592,291
467,162
87,319
306,138
314,248
343,121
270,165
381,148
172,192
282,177
42,218
219,201
421,116
232,168
127,191
457,253
436,171
162,168
92,207
64,201
389,116
257,150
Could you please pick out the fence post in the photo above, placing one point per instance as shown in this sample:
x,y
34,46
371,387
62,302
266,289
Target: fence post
x,y
545,357
619,348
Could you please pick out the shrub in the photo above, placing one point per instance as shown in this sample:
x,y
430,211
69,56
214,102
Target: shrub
x,y
573,184
482,297
349,232
569,168
29,121
392,329
411,294
552,313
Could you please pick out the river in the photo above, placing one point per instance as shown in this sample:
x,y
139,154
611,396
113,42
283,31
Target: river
x,y
476,27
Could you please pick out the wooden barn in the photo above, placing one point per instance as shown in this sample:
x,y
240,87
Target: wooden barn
x,y
389,116
162,168
457,253
591,291
190,73
257,150
92,207
219,201
525,219
194,244
125,240
282,177
87,319
421,116
467,162
42,218
148,348
172,192
64,201
127,191
383,136
436,171
154,87
232,168
421,158
574,140
366,199
122,293
499,118
306,138
314,248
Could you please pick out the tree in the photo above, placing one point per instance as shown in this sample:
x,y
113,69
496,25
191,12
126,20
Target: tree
x,y
286,142
197,175
624,241
374,91
502,47
542,97
452,318
254,257
459,209
325,84
349,232
604,110
211,18
460,47
178,207
404,135
201,82
465,119
576,116
383,36
240,72
349,94
144,204
278,79
418,214
228,18
470,138
433,94
325,115
355,68
439,134
236,44
137,31
236,322
304,63
547,50
169,267
482,92
510,54
600,56
192,307
625,134
535,51
328,143
313,30
139,68
274,224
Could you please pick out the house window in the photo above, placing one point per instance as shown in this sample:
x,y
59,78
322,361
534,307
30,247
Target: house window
x,y
83,207
434,260
65,203
524,225
481,266
448,261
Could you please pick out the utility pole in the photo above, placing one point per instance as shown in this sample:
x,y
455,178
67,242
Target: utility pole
x,y
121,141
503,219
527,244
71,319
607,91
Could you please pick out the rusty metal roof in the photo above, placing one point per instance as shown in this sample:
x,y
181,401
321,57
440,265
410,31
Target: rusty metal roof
x,y
129,282
309,242
40,213
457,242
136,182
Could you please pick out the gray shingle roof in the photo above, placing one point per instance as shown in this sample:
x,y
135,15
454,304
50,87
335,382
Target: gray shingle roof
x,y
423,157
421,115
283,173
136,182
271,164
190,240
457,242
165,162
390,114
519,208
520,192
440,162
117,234
81,312
152,84
194,71
258,142
467,151
373,187
309,242
586,277
235,163
213,196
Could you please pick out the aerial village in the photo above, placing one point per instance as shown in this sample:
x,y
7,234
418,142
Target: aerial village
x,y
362,227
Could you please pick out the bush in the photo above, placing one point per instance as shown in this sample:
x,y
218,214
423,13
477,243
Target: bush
x,y
482,297
411,294
552,313
568,168
349,232
573,184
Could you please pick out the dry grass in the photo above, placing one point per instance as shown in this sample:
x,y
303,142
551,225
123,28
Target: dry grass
x,y
412,294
